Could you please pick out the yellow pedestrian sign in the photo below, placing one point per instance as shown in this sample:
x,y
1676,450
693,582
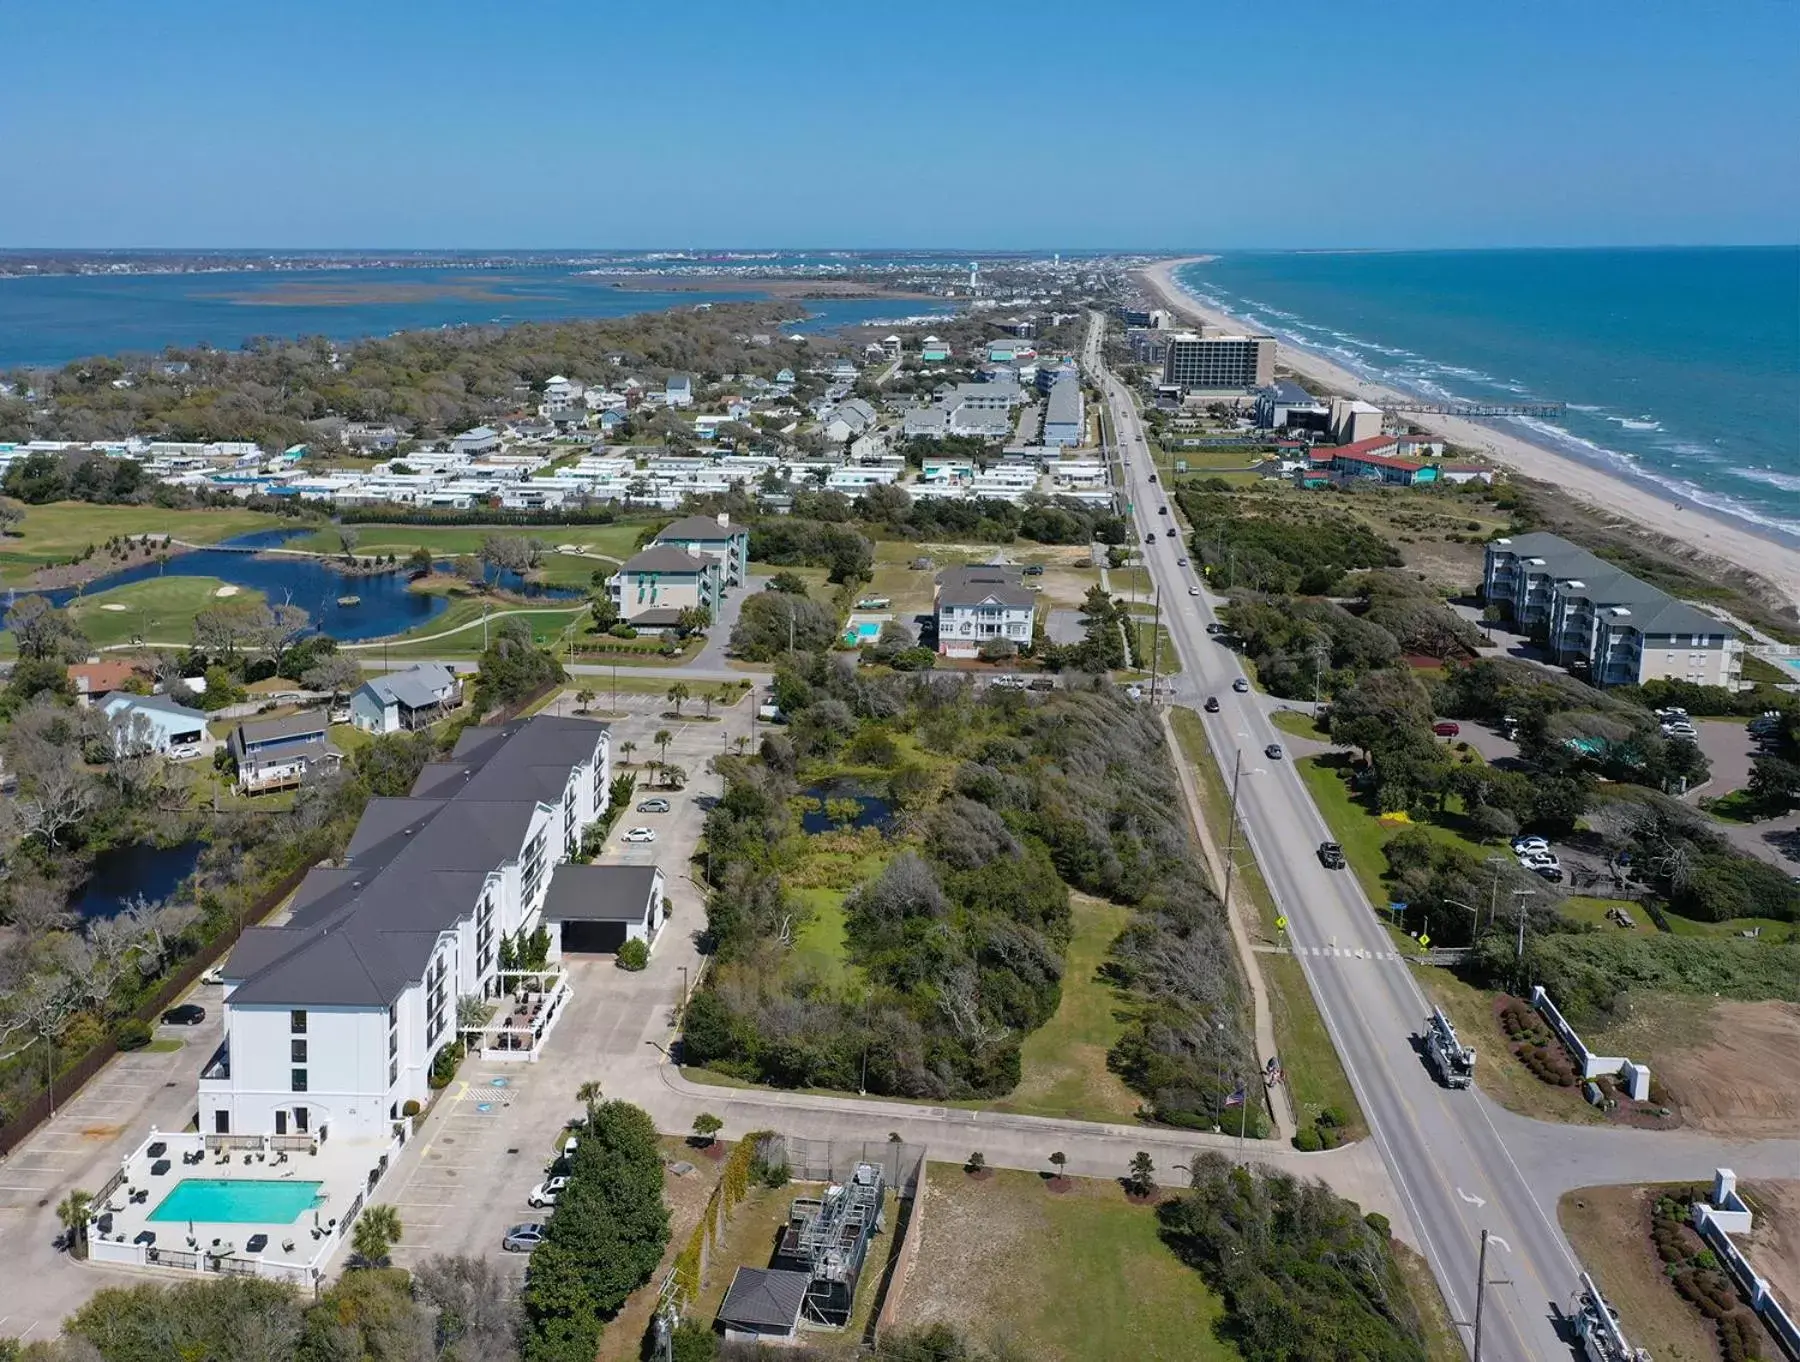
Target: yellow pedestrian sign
x,y
1281,924
1424,940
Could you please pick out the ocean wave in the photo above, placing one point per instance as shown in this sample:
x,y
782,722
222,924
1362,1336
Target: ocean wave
x,y
1787,482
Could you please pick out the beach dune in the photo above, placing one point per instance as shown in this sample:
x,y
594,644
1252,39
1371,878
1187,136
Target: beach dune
x,y
1708,535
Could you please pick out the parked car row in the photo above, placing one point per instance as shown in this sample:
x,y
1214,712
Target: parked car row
x,y
1675,723
1535,855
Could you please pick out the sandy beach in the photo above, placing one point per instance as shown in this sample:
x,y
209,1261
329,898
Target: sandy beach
x,y
1705,534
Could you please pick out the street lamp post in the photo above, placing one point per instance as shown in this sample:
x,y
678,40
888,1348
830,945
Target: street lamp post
x,y
1474,917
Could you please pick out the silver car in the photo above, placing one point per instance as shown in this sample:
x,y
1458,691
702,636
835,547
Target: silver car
x,y
523,1238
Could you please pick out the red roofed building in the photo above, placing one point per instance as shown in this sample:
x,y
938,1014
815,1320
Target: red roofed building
x,y
91,680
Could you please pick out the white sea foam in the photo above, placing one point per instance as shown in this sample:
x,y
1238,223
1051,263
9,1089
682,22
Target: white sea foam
x,y
1787,482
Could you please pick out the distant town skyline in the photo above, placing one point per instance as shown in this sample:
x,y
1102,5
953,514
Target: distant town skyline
x,y
954,127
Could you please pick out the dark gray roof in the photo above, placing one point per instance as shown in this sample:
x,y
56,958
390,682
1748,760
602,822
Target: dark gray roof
x,y
1064,406
984,581
764,1298
663,558
699,527
1645,608
416,687
360,932
288,726
599,893
1289,393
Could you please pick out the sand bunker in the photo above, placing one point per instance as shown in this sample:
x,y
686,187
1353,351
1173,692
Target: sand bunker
x,y
226,591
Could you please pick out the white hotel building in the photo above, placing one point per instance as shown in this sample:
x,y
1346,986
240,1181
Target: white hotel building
x,y
332,1019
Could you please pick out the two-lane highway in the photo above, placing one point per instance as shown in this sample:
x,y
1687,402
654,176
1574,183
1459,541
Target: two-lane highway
x,y
1450,1166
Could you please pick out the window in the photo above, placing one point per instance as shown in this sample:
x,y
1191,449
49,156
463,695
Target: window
x,y
297,1080
393,1072
297,1051
393,1043
393,1015
297,1021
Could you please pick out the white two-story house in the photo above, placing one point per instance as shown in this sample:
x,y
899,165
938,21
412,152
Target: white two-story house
x,y
979,603
332,1019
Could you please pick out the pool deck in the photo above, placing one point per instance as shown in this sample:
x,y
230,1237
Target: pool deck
x,y
346,1173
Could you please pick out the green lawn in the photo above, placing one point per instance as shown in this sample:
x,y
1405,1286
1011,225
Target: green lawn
x,y
820,944
1354,824
1063,1063
58,532
1294,722
464,613
1064,1277
1156,644
618,540
161,609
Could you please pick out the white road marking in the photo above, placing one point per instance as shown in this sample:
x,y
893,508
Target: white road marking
x,y
1475,1201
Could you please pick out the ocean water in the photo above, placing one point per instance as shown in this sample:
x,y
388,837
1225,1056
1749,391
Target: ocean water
x,y
1680,367
52,319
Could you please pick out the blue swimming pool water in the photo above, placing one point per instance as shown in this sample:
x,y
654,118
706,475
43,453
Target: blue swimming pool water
x,y
868,628
237,1201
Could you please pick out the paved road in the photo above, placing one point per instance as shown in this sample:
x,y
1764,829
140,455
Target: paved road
x,y
1455,1171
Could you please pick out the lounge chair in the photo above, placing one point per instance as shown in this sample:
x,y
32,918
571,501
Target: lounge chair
x,y
256,1243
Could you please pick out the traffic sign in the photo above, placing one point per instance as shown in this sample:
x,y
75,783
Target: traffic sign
x,y
1281,924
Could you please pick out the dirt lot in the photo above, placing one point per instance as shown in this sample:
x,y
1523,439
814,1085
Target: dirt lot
x,y
1741,1076
1774,1242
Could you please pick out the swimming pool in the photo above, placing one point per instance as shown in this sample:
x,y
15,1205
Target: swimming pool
x,y
867,628
237,1201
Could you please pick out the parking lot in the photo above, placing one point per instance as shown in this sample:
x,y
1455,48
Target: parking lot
x,y
82,1146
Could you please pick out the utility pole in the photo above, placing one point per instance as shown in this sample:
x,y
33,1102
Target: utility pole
x,y
1237,768
1155,640
1481,1285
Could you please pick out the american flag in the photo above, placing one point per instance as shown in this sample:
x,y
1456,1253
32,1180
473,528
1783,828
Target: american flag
x,y
1236,1099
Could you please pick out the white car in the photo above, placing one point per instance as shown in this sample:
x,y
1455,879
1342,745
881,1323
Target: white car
x,y
641,835
544,1194
214,976
1521,845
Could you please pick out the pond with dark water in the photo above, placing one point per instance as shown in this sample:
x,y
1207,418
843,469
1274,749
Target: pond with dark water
x,y
872,810
385,604
125,872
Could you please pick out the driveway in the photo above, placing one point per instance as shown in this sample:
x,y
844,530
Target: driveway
x,y
1729,750
712,656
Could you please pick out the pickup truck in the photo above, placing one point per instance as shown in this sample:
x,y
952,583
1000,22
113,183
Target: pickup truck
x,y
1331,855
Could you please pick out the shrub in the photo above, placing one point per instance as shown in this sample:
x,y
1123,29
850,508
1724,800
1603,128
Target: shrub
x,y
132,1034
1306,1140
444,1064
411,1107
622,630
634,955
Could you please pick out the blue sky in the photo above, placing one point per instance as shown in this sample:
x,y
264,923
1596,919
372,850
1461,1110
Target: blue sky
x,y
1052,124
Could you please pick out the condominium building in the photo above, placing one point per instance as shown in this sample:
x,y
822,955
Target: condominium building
x,y
1197,363
333,1018
652,588
1599,619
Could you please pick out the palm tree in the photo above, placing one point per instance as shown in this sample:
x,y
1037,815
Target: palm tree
x,y
584,698
706,698
1058,1159
376,1230
626,749
73,1211
1143,1174
589,1093
662,739
678,695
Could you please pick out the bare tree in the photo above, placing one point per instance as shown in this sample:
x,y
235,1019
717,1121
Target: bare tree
x,y
337,675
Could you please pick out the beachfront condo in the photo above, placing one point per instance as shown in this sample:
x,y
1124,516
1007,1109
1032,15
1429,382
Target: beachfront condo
x,y
1602,622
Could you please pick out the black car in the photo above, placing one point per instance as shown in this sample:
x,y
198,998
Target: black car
x,y
1153,477
1034,570
1162,510
1212,704
1331,855
188,1014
